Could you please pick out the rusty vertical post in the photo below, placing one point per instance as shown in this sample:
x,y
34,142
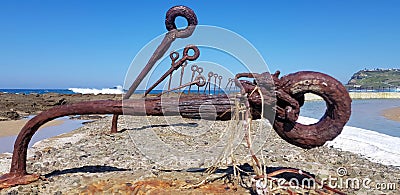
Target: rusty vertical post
x,y
114,123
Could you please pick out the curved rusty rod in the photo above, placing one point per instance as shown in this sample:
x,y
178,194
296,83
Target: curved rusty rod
x,y
18,173
24,137
188,107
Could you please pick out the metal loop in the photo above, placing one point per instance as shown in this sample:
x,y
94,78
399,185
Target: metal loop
x,y
185,12
210,74
174,56
201,80
199,70
194,67
196,52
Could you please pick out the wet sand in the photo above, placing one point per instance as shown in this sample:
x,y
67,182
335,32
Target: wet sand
x,y
392,114
10,128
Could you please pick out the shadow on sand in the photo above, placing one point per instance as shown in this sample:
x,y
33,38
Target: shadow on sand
x,y
86,169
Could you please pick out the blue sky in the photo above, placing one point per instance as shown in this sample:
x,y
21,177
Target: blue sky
x,y
61,44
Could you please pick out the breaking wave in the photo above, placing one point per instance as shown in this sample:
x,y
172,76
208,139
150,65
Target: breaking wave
x,y
114,90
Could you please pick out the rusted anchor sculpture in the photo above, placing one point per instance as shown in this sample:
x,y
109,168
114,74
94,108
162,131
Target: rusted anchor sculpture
x,y
289,91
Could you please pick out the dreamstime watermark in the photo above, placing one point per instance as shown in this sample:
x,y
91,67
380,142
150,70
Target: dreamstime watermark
x,y
339,181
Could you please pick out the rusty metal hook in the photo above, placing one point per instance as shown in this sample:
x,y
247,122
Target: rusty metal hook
x,y
170,37
174,56
186,56
182,72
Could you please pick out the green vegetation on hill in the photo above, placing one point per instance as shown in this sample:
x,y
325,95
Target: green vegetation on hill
x,y
375,78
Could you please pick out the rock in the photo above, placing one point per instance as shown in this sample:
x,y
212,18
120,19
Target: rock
x,y
62,101
13,115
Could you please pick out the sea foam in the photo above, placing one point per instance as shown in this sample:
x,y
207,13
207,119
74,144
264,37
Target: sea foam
x,y
376,147
116,90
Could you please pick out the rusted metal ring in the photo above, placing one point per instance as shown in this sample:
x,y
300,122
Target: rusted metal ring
x,y
185,12
196,52
201,80
210,74
338,103
194,67
200,70
174,56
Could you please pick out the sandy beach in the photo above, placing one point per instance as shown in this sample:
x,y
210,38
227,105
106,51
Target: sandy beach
x,y
10,128
392,114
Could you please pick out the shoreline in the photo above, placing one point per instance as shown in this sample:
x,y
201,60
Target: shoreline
x,y
49,130
13,127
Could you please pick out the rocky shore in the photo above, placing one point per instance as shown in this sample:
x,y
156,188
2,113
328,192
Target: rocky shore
x,y
16,106
90,160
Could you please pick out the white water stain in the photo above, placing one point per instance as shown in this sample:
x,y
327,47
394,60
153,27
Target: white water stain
x,y
376,147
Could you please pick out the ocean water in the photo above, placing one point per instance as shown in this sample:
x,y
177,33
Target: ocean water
x,y
114,90
366,114
36,91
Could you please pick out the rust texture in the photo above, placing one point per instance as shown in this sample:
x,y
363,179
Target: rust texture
x,y
338,103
